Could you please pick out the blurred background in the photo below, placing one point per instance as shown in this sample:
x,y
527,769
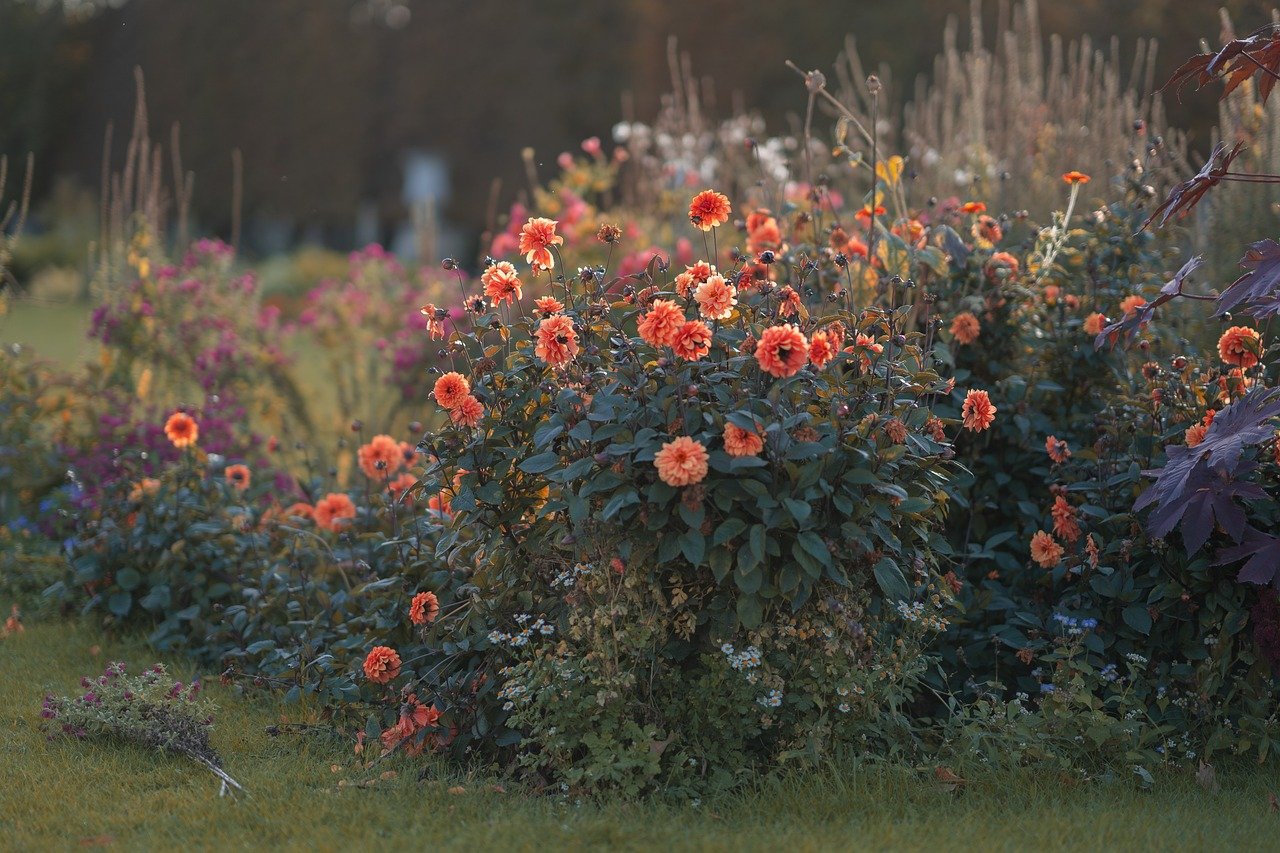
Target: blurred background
x,y
356,118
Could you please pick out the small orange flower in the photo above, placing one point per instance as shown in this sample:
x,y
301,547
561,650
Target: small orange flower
x,y
763,235
973,207
435,320
681,462
977,411
182,430
1094,323
536,239
548,305
965,328
1064,520
1240,346
896,430
468,412
692,277
659,326
382,664
869,347
440,504
692,341
237,477
299,510
501,283
382,456
1131,303
1002,262
1074,177
144,488
333,511
424,608
450,389
864,215
715,298
937,429
1045,550
788,302
987,229
709,209
1091,551
1057,449
1196,433
400,486
821,349
782,350
741,442
557,341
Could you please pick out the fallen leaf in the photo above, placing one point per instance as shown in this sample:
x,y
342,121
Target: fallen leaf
x,y
388,775
457,789
497,789
1207,777
950,781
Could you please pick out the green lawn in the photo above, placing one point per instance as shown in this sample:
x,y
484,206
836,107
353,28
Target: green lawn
x,y
56,330
64,794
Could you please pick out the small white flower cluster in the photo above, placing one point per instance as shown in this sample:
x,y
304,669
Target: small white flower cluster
x,y
748,658
569,577
1211,641
1136,659
915,612
512,693
516,641
771,700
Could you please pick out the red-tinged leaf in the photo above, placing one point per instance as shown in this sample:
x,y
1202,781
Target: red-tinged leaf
x,y
1260,284
1186,195
1236,61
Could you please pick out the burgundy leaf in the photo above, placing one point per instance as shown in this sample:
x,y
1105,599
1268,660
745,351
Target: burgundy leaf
x,y
1263,553
1233,63
1259,284
1187,194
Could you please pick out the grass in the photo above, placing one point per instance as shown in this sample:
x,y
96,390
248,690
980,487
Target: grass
x,y
56,330
64,793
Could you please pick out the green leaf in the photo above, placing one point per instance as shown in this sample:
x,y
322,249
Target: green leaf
x,y
120,604
750,612
891,580
128,579
728,529
814,546
1138,618
694,546
540,463
721,560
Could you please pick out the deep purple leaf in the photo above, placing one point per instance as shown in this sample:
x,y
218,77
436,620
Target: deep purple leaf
x,y
1263,553
1187,194
1261,281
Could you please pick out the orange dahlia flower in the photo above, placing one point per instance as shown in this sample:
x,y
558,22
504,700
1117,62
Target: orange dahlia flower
x,y
557,341
144,488
1131,303
659,326
681,462
468,412
987,229
1045,550
1074,177
424,608
182,429
450,389
973,207
741,442
333,511
382,456
1002,261
382,664
692,277
435,319
788,302
237,477
715,298
1064,520
548,305
977,411
821,349
401,485
782,350
1057,449
536,239
1094,323
501,283
299,510
965,328
692,341
709,209
1240,346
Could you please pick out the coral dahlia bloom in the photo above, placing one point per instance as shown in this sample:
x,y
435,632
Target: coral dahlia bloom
x,y
1064,520
182,429
965,328
741,442
821,349
468,412
144,488
501,283
782,350
424,608
1074,177
709,209
1002,261
977,411
382,664
692,341
1131,303
557,341
382,456
987,229
973,207
788,302
715,298
435,320
333,511
536,239
1045,550
548,305
450,389
693,276
659,326
896,430
681,462
237,476
1057,449
299,510
400,486
1094,323
1240,346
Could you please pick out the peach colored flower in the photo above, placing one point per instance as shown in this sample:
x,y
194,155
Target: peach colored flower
x,y
468,412
1002,261
936,429
144,488
501,283
1094,323
450,389
1057,449
869,347
382,664
1064,520
536,239
659,326
400,486
788,302
973,207
182,430
987,229
715,298
1045,550
237,477
681,462
741,442
709,209
1240,346
1091,551
1195,434
692,341
299,510
435,320
440,504
557,341
1051,292
382,457
333,511
548,305
692,277
764,235
1074,177
896,430
424,608
864,215
821,349
1131,303
965,328
782,350
977,411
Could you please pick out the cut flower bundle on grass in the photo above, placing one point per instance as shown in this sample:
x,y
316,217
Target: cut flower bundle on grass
x,y
148,710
